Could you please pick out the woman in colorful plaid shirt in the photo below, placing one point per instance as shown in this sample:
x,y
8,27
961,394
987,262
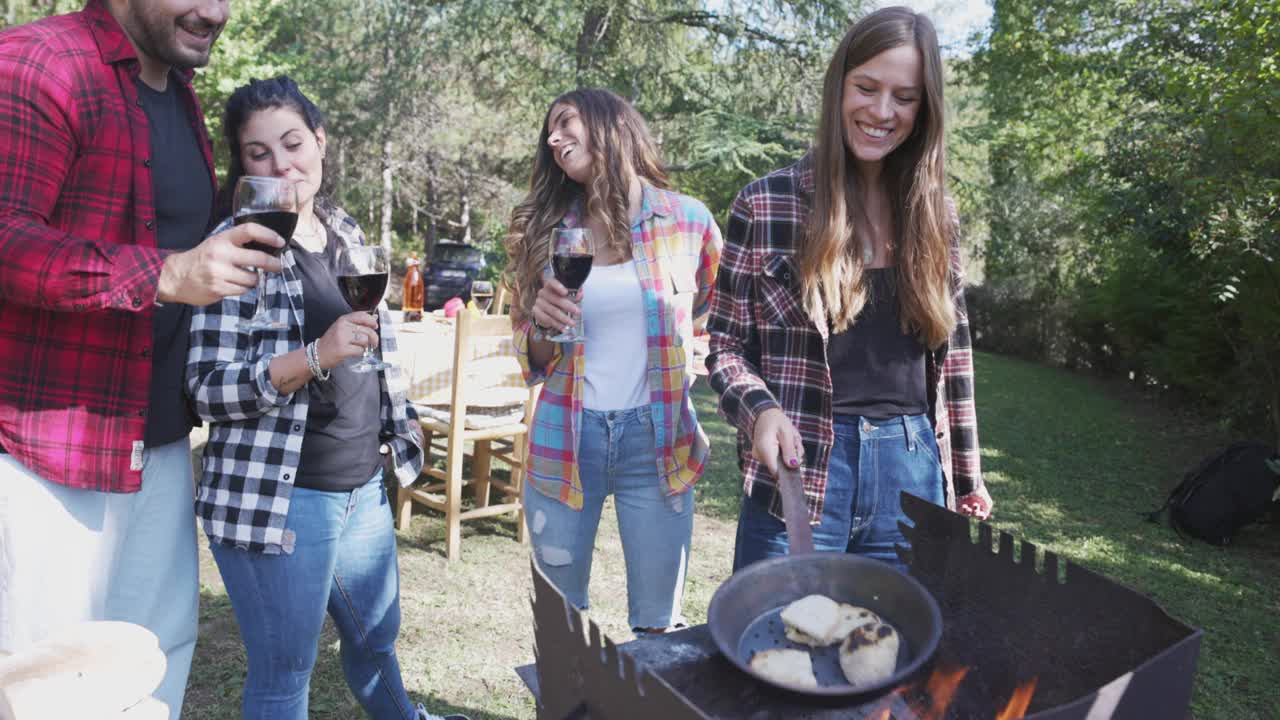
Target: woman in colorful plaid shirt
x,y
839,341
291,495
614,415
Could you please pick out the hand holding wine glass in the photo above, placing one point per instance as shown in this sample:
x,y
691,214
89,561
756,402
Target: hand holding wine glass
x,y
348,337
363,271
273,203
220,266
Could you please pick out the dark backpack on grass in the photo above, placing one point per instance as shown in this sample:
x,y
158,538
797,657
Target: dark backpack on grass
x,y
1225,492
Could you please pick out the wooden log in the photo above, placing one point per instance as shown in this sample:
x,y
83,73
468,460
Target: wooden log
x,y
90,670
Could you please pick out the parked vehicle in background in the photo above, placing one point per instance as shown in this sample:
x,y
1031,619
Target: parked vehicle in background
x,y
449,272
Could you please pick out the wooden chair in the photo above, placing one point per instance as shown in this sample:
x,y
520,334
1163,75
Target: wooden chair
x,y
501,300
504,438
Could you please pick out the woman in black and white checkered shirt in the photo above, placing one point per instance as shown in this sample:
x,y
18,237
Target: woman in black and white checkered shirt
x,y
291,494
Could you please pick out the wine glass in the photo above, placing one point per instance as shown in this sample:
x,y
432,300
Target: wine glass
x,y
572,252
363,271
482,294
273,203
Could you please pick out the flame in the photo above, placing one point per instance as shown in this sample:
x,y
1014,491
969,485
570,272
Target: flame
x,y
1016,709
883,715
941,688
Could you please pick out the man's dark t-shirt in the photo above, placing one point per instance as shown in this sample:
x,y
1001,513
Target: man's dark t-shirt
x,y
183,193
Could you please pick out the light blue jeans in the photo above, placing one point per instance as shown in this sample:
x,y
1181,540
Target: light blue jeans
x,y
344,560
616,455
871,462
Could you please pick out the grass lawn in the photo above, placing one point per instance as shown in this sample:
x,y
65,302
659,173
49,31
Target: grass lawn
x,y
1071,462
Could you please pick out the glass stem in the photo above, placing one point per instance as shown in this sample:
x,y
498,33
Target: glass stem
x,y
262,294
368,349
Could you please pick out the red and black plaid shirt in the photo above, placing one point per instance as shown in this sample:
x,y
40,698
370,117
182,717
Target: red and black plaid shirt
x,y
79,268
767,353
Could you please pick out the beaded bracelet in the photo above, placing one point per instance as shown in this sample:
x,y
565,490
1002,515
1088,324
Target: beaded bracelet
x,y
313,361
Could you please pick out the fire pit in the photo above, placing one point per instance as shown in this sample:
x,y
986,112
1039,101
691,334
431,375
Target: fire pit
x,y
1025,635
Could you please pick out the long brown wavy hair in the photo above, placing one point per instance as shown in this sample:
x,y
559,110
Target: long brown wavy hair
x,y
620,145
831,265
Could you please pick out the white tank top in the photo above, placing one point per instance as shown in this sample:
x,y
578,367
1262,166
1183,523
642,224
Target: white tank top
x,y
617,346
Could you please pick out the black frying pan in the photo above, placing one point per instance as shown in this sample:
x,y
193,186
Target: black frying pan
x,y
744,612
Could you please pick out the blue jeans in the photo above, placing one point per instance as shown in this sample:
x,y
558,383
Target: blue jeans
x,y
616,455
344,560
871,461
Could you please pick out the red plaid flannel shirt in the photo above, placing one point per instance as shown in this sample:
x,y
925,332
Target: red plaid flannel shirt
x,y
79,268
767,353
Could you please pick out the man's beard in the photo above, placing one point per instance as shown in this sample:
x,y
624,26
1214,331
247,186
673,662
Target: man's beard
x,y
158,37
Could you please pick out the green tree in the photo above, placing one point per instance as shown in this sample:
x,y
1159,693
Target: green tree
x,y
1133,197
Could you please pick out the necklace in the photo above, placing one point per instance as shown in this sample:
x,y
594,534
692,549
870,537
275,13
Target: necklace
x,y
867,236
315,230
871,235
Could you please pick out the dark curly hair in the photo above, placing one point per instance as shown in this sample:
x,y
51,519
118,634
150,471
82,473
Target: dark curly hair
x,y
258,95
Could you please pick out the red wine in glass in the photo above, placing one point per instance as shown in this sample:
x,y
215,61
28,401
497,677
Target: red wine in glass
x,y
572,252
273,203
280,221
362,274
572,269
482,294
363,292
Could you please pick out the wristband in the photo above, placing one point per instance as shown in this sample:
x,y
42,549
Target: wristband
x,y
313,361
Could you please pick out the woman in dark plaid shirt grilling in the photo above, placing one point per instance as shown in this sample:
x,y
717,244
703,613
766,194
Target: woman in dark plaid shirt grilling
x,y
291,493
839,343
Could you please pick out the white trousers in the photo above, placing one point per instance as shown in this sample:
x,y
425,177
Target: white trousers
x,y
68,556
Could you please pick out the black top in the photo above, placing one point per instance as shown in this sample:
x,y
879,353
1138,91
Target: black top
x,y
340,449
877,371
183,193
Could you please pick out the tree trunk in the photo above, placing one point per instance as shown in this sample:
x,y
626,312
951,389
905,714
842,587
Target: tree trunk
x,y
464,217
433,202
336,171
595,24
1275,418
388,192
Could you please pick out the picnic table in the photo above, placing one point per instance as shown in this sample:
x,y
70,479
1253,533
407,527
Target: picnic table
x,y
426,358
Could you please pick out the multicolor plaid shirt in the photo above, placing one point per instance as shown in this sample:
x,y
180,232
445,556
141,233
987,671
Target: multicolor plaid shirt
x,y
766,351
255,432
79,268
676,247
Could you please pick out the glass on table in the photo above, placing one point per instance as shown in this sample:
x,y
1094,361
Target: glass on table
x,y
482,294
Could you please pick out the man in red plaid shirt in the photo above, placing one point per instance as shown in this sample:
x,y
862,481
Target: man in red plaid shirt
x,y
106,190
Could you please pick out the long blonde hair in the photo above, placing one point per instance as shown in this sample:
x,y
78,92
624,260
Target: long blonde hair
x,y
620,145
831,265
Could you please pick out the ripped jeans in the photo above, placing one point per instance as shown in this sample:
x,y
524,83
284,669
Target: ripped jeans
x,y
616,455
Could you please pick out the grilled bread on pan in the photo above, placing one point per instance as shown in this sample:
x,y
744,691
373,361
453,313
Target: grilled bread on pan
x,y
789,667
813,616
851,617
869,654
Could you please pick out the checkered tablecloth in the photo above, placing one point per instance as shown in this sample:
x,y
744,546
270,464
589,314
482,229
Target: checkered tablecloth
x,y
426,350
